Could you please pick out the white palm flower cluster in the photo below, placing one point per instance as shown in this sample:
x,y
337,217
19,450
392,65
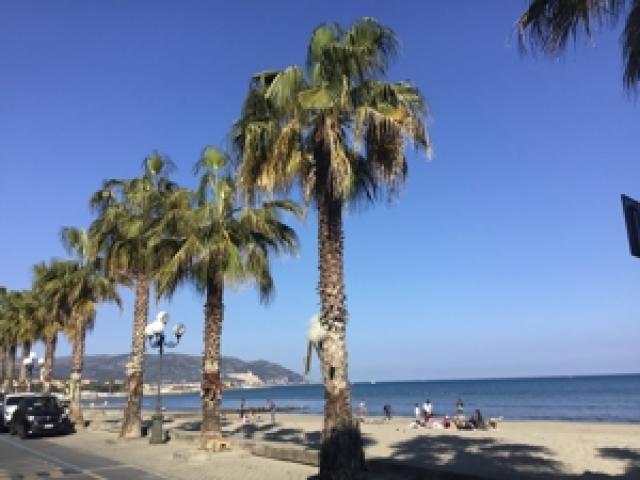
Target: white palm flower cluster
x,y
316,332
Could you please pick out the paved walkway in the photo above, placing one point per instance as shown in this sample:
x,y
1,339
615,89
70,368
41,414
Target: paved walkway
x,y
40,458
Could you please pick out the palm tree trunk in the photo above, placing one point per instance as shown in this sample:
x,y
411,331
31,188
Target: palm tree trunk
x,y
10,369
22,377
77,361
49,355
3,356
341,454
211,384
132,424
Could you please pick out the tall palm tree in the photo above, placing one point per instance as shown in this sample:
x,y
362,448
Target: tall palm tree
x,y
51,320
3,339
550,24
3,359
27,331
75,294
217,243
337,129
128,212
9,330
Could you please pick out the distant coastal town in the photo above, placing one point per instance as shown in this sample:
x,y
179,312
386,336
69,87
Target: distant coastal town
x,y
115,388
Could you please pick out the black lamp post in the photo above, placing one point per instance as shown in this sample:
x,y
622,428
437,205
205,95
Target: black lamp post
x,y
157,339
30,363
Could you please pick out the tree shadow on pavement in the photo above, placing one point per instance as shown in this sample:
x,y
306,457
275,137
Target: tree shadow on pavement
x,y
196,425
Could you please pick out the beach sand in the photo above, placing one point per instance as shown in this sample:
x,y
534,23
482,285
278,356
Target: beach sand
x,y
536,450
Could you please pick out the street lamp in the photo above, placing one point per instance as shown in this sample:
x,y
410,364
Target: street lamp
x,y
30,362
157,339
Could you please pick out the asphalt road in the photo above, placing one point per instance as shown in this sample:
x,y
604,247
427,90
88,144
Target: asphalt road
x,y
41,458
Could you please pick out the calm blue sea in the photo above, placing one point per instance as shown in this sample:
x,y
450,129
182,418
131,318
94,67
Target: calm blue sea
x,y
614,398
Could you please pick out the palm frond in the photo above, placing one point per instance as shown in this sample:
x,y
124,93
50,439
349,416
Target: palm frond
x,y
283,91
631,47
550,24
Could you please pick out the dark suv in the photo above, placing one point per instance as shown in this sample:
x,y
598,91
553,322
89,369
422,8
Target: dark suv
x,y
37,415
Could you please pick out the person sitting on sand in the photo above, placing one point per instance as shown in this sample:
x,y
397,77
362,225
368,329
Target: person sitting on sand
x,y
476,419
446,423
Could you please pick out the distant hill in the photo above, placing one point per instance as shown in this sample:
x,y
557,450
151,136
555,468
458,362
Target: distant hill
x,y
176,367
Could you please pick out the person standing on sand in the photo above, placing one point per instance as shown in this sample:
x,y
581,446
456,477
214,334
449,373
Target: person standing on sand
x,y
271,406
417,412
387,412
427,409
243,405
459,409
362,411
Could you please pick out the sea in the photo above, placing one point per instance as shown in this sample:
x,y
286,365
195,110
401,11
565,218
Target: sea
x,y
610,398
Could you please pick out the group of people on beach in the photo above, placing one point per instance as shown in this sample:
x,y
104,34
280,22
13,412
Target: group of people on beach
x,y
424,417
249,417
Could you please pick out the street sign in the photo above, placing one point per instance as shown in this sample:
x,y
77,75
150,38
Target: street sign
x,y
631,209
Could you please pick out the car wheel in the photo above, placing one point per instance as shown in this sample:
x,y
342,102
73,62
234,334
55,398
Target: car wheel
x,y
12,429
67,428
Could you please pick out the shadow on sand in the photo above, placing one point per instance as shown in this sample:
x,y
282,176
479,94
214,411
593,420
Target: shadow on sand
x,y
292,436
445,454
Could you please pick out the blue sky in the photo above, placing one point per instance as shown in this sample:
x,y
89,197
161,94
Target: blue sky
x,y
505,255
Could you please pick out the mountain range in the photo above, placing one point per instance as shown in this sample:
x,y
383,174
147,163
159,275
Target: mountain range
x,y
176,368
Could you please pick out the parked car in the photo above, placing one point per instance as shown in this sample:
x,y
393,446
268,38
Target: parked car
x,y
9,404
38,415
1,411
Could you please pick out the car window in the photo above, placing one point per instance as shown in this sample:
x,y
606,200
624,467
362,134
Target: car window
x,y
40,403
13,400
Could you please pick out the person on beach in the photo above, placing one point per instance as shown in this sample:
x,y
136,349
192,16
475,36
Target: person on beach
x,y
243,405
459,408
476,420
427,409
417,413
271,407
362,411
446,423
387,412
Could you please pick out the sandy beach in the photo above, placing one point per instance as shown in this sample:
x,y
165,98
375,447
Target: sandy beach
x,y
528,450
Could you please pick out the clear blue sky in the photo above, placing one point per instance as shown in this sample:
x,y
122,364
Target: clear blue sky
x,y
505,255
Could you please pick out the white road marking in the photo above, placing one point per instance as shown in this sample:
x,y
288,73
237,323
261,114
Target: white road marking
x,y
53,459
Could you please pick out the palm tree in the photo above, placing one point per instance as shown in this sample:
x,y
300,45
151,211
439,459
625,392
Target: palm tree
x,y
336,129
550,24
3,359
217,243
3,340
50,323
9,329
75,294
128,213
26,312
